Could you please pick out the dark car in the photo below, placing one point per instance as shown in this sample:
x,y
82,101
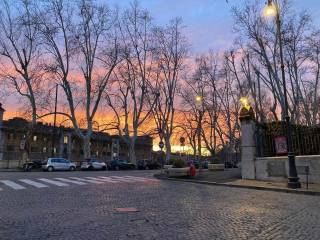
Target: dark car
x,y
36,164
194,162
145,164
120,164
230,165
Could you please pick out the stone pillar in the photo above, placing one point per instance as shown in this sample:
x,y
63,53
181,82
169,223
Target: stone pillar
x,y
248,143
1,133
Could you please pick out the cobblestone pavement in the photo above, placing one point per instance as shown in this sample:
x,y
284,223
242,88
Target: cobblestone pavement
x,y
166,210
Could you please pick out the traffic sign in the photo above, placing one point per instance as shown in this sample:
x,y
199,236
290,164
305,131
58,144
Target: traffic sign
x,y
22,144
161,144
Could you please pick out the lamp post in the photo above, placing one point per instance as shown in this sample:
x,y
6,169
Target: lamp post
x,y
273,9
199,105
54,122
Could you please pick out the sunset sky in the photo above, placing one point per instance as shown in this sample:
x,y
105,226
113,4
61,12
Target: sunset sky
x,y
208,22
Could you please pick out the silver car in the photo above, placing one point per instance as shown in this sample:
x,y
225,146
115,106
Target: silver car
x,y
58,164
93,164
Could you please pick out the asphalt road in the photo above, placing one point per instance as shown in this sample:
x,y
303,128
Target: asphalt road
x,y
82,205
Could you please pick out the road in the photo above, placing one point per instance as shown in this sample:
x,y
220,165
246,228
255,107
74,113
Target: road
x,y
75,205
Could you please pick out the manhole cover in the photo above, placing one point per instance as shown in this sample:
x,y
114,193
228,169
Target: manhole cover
x,y
127,209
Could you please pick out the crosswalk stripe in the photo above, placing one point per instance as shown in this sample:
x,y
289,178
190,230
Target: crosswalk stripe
x,y
33,183
13,185
107,179
57,183
122,179
143,179
87,180
71,181
135,179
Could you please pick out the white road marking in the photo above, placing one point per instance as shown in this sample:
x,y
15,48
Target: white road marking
x,y
57,183
13,185
87,180
71,181
107,179
142,178
135,179
122,179
33,183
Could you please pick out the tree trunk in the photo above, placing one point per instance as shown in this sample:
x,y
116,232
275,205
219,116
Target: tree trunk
x,y
168,150
86,147
132,153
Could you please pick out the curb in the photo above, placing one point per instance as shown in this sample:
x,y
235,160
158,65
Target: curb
x,y
285,190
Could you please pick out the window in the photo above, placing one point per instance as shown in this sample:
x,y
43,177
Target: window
x,y
65,139
54,150
54,160
44,149
35,138
45,139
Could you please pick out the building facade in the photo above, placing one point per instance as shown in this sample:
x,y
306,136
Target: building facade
x,y
18,143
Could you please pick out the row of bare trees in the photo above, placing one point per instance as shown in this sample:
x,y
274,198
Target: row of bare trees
x,y
119,63
252,69
102,58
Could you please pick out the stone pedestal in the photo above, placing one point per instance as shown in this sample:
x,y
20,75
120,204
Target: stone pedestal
x,y
248,143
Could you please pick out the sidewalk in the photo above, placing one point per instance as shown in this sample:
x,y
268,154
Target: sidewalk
x,y
232,178
11,170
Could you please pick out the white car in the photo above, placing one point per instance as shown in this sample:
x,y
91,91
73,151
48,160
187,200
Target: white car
x,y
93,164
58,164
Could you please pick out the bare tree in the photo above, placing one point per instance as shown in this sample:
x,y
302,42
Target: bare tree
x,y
171,53
127,97
80,42
20,55
263,48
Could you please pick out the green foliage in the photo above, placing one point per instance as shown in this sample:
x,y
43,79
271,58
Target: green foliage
x,y
179,163
171,161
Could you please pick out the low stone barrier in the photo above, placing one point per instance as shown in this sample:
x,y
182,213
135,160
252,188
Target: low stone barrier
x,y
178,172
216,167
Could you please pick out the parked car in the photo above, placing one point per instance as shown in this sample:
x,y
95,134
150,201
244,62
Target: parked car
x,y
120,164
146,164
194,162
58,164
230,165
93,164
36,164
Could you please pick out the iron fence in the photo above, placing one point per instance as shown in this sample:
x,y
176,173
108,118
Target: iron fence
x,y
306,139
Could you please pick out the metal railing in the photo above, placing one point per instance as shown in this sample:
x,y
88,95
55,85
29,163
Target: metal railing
x,y
306,139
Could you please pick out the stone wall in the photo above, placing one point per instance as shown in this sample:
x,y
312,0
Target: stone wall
x,y
276,168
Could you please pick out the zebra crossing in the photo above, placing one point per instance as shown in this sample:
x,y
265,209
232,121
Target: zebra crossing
x,y
24,184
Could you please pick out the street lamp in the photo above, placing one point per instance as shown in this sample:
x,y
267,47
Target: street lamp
x,y
53,141
272,10
199,106
245,103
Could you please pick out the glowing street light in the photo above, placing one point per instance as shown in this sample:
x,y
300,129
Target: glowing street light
x,y
245,103
198,99
270,9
